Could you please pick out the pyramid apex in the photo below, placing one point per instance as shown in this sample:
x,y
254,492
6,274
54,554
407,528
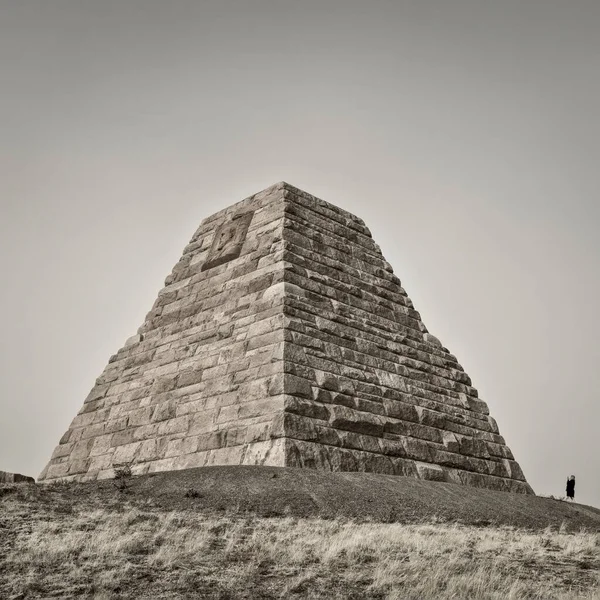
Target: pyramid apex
x,y
282,185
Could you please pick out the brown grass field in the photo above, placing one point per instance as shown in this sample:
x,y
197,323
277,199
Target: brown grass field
x,y
98,541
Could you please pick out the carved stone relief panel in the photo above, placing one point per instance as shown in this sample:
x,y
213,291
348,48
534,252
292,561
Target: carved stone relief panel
x,y
228,241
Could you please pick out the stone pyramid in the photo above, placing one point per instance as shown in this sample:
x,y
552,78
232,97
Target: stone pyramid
x,y
282,337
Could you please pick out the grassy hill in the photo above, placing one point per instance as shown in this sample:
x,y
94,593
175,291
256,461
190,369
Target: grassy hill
x,y
258,533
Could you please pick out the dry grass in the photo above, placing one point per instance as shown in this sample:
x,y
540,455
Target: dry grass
x,y
129,552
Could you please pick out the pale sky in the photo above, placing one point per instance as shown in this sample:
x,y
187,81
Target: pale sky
x,y
464,132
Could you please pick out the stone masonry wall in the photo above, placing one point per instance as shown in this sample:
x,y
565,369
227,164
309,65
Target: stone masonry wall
x,y
368,388
201,382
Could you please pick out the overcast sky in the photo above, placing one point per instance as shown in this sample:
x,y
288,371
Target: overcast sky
x,y
464,132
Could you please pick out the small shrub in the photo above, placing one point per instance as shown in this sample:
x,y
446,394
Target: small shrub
x,y
57,485
122,476
7,489
192,493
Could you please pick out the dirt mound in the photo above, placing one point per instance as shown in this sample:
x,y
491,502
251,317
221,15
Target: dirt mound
x,y
274,491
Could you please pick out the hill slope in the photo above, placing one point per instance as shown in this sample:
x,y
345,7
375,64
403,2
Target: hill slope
x,y
251,532
270,491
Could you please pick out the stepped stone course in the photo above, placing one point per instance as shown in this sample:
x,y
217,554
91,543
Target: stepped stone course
x,y
282,337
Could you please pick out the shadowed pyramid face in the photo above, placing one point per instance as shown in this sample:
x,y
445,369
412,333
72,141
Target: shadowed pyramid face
x,y
282,337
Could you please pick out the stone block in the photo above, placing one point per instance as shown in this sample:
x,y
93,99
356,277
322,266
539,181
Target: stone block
x,y
259,432
174,426
115,425
102,444
431,472
149,450
351,420
417,449
514,469
100,463
140,416
6,477
225,456
306,408
162,412
145,432
120,438
400,410
450,442
431,339
260,408
173,448
81,450
58,470
93,431
163,384
126,454
189,378
60,451
210,441
450,459
432,418
133,340
98,392
78,466
268,453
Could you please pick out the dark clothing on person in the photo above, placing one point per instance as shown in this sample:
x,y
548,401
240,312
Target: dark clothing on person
x,y
570,488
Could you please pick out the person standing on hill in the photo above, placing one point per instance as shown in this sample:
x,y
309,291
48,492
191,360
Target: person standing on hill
x,y
571,487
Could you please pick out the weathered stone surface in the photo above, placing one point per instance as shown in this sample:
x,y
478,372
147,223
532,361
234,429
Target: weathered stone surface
x,y
6,477
228,240
283,337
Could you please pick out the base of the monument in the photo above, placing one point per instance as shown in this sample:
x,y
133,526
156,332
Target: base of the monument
x,y
287,452
264,453
331,458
